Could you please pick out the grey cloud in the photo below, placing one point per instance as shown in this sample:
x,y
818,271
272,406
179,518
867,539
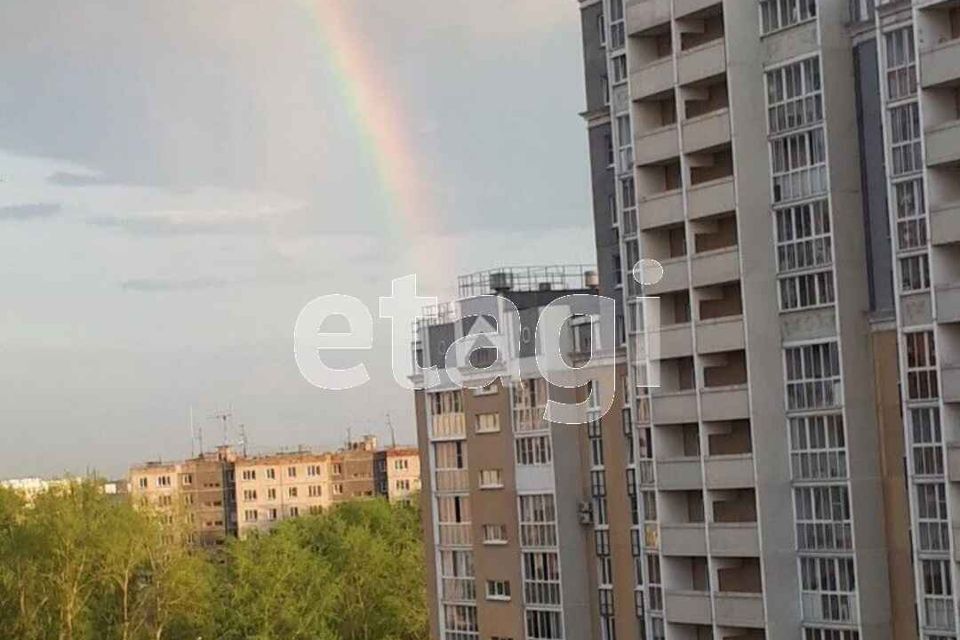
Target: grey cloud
x,y
160,285
70,179
37,210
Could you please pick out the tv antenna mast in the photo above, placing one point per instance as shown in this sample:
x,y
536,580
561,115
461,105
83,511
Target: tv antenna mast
x,y
224,418
243,439
393,433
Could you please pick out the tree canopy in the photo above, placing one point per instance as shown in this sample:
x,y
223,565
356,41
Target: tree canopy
x,y
76,564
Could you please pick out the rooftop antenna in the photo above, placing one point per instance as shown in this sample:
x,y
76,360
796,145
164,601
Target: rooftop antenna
x,y
393,433
193,435
349,436
243,439
223,417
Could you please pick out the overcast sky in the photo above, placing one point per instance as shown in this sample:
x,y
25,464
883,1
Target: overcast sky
x,y
178,178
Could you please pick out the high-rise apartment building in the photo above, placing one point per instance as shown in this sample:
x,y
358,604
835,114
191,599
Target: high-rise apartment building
x,y
794,166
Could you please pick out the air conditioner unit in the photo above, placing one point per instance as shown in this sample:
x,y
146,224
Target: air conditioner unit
x,y
585,513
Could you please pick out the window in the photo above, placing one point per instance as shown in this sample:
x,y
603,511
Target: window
x,y
488,422
292,492
498,590
810,633
921,366
186,479
803,236
901,64
828,589
778,14
937,594
823,518
544,625
806,290
313,470
250,515
494,534
799,165
271,514
602,30
294,512
538,521
910,208
619,68
624,134
249,495
905,148
163,481
794,96
248,474
460,619
926,441
541,577
291,472
401,465
813,376
271,494
533,450
142,483
914,273
932,523
402,485
450,455
271,474
491,479
337,489
818,448
314,491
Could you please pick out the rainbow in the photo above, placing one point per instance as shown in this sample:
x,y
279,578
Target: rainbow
x,y
380,122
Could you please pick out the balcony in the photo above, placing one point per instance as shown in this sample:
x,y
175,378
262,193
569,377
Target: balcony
x,y
725,403
687,607
686,7
948,302
730,472
739,609
656,145
452,480
945,223
701,62
714,267
455,534
938,66
674,407
675,277
734,539
660,209
953,462
950,382
676,341
653,78
720,334
943,144
683,539
448,425
679,474
459,589
710,198
644,15
709,130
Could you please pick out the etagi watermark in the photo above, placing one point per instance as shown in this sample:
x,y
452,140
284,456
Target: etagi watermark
x,y
481,339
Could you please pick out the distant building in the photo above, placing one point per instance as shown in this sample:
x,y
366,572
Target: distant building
x,y
200,489
223,493
397,473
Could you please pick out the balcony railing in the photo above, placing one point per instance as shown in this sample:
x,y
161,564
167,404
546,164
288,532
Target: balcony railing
x,y
452,480
447,425
459,589
457,534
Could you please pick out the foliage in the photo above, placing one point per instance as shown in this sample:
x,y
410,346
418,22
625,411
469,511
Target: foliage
x,y
76,564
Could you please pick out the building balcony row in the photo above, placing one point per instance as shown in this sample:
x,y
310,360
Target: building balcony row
x,y
728,609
